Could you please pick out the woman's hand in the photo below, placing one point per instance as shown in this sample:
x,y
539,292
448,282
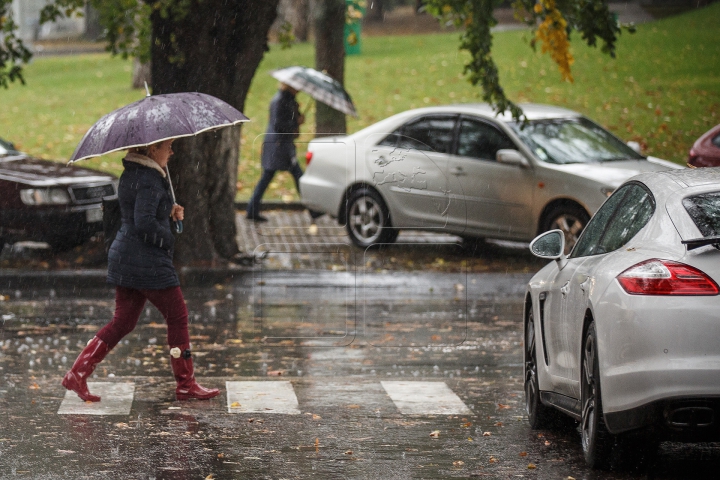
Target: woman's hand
x,y
178,212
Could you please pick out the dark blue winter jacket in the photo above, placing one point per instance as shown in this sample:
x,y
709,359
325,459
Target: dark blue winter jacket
x,y
278,150
141,254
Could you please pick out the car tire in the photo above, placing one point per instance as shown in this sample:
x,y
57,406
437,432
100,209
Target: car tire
x,y
571,219
597,442
540,416
368,219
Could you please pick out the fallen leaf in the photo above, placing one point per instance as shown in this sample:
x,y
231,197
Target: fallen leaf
x,y
467,425
531,466
275,373
236,405
492,460
503,406
523,454
499,424
353,406
316,417
547,443
210,477
348,452
221,455
34,386
486,434
458,463
435,433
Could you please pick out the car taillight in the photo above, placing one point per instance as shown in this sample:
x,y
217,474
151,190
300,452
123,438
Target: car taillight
x,y
665,277
308,158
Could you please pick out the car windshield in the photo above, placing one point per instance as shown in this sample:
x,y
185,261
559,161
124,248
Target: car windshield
x,y
572,140
705,212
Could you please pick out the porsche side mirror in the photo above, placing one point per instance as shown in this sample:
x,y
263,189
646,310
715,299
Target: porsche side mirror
x,y
512,157
549,245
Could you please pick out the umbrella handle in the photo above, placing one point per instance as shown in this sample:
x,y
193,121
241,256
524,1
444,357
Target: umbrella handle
x,y
178,226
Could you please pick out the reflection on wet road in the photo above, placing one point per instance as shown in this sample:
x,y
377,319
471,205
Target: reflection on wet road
x,y
327,375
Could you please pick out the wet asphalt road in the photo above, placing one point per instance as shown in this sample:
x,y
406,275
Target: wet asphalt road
x,y
340,340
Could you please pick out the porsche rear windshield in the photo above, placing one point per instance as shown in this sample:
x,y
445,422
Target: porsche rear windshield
x,y
572,140
705,212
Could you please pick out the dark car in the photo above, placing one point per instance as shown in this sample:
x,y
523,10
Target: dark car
x,y
706,150
45,201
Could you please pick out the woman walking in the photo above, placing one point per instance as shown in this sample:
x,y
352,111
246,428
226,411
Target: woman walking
x,y
140,266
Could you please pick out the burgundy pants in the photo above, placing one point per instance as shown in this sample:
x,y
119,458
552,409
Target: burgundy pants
x,y
129,304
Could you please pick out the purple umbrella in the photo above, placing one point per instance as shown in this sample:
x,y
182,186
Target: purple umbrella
x,y
156,118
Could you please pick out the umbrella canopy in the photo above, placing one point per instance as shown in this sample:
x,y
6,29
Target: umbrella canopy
x,y
154,119
318,85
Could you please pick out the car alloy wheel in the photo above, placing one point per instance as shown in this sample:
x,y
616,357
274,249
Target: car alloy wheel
x,y
368,220
596,440
571,220
539,415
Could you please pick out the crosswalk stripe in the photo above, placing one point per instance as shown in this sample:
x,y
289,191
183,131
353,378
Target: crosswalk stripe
x,y
425,398
117,399
261,397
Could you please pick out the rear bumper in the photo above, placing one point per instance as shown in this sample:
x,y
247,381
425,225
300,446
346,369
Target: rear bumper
x,y
679,419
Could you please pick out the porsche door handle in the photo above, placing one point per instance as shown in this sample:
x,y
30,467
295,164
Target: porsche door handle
x,y
585,285
565,288
458,171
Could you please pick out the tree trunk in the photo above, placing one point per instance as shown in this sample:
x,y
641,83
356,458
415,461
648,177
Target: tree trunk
x,y
218,46
375,11
141,74
330,58
302,24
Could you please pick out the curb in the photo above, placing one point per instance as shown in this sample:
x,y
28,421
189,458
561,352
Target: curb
x,y
96,278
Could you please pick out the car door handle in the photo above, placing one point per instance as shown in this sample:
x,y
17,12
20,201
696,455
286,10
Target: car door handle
x,y
564,289
458,171
585,285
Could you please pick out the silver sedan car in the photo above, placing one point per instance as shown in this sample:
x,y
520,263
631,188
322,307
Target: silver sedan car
x,y
623,334
464,170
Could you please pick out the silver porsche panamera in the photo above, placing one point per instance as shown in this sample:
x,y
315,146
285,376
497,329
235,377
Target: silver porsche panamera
x,y
623,334
464,170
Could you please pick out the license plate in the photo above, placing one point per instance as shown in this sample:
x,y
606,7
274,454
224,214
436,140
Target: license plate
x,y
94,215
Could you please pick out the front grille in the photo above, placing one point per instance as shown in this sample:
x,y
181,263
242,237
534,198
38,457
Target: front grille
x,y
92,194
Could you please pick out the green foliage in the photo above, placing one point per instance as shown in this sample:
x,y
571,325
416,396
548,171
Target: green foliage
x,y
591,18
12,51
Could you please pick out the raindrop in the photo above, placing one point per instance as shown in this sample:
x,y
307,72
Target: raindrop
x,y
49,361
32,363
18,294
299,373
52,293
372,372
111,375
213,311
436,368
152,341
147,312
56,342
137,362
28,340
63,359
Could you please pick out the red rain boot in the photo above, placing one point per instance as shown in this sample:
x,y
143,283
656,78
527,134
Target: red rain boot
x,y
83,367
187,387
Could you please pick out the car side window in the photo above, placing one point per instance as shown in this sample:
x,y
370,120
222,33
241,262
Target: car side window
x,y
619,219
429,134
481,140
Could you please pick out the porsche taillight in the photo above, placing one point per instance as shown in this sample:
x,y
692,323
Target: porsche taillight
x,y
308,158
665,277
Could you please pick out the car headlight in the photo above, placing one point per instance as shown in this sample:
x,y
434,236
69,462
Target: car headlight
x,y
45,196
607,191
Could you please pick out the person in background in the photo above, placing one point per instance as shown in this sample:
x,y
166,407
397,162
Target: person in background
x,y
278,150
141,268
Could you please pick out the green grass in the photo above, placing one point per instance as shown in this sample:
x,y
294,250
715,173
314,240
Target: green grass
x,y
662,90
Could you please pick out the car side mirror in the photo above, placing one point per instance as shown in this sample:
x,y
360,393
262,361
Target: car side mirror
x,y
635,146
512,157
549,245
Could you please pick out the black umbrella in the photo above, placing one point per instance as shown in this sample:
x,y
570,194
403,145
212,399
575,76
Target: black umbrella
x,y
154,119
318,85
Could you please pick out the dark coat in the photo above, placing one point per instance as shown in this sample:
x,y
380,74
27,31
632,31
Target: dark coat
x,y
278,152
141,254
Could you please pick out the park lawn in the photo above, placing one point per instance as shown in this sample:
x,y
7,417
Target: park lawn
x,y
662,90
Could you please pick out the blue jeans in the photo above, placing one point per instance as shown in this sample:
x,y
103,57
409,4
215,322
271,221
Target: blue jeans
x,y
253,208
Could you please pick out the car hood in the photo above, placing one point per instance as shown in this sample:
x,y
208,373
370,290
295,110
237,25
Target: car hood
x,y
616,173
43,173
